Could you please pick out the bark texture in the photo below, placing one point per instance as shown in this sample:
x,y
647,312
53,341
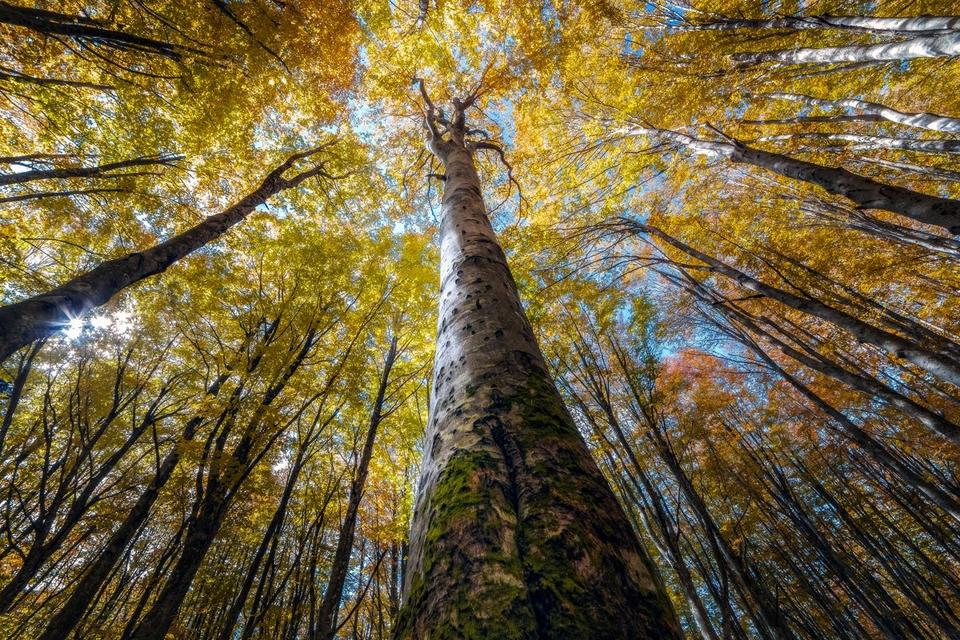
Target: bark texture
x,y
516,533
913,25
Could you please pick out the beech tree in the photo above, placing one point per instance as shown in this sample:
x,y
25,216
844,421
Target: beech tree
x,y
507,476
655,337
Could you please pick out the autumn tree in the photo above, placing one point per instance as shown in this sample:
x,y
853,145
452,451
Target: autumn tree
x,y
686,274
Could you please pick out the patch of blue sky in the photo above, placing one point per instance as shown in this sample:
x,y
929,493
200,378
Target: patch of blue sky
x,y
550,16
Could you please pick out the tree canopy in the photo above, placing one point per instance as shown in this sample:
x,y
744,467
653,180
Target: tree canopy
x,y
734,228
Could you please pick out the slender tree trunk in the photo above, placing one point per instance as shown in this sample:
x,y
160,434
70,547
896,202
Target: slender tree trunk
x,y
100,171
266,543
935,363
875,449
226,474
915,24
94,577
767,610
199,537
865,192
16,390
874,143
670,535
49,540
931,173
330,605
864,117
863,589
46,313
861,382
51,23
516,533
936,46
929,121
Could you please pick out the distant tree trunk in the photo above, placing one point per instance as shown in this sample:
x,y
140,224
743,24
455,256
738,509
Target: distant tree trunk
x,y
516,533
43,315
917,24
863,117
654,511
16,389
330,605
94,576
768,612
877,451
864,589
936,363
223,481
862,382
874,143
51,532
865,192
929,121
936,46
84,29
267,543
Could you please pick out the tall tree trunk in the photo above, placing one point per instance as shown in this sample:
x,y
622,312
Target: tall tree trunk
x,y
873,143
937,46
865,192
914,24
936,363
930,121
516,533
42,315
330,605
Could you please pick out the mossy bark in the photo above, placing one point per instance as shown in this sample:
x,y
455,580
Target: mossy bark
x,y
516,534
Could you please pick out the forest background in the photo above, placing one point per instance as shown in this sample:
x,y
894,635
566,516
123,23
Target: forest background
x,y
733,226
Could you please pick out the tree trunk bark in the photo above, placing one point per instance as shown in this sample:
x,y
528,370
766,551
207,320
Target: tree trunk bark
x,y
516,533
939,46
929,121
874,143
917,24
